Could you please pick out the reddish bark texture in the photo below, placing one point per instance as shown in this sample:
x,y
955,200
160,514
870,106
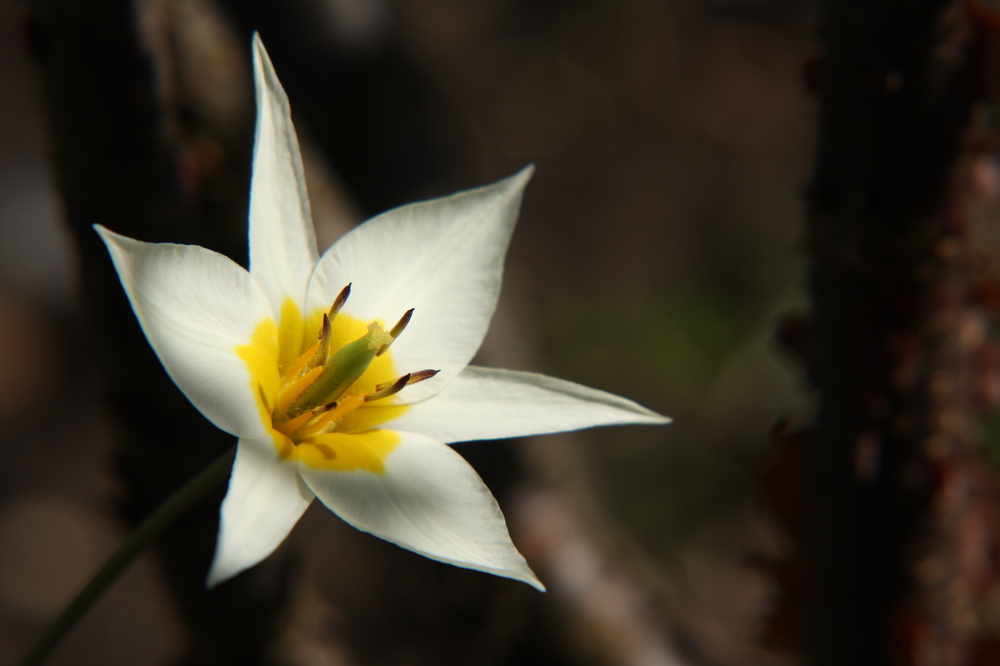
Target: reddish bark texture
x,y
895,545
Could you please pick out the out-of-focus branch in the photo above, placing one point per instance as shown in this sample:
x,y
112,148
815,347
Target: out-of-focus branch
x,y
114,168
150,529
366,108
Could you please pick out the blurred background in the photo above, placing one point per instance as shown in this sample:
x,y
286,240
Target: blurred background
x,y
657,247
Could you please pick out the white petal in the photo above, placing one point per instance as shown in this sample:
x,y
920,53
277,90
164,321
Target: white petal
x,y
196,307
429,500
489,403
282,237
266,497
442,257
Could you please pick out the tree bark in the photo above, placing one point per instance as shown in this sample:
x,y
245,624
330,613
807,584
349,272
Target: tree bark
x,y
897,489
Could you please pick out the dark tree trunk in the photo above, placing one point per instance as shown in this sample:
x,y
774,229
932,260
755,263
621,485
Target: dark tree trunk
x,y
114,168
897,490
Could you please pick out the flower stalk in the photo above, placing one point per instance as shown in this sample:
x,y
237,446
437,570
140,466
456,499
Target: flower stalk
x,y
151,528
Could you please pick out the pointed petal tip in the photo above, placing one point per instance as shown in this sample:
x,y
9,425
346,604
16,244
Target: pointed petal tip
x,y
652,418
519,180
259,57
118,246
638,414
106,234
520,572
259,52
218,573
516,569
225,567
491,403
531,579
212,580
264,501
263,70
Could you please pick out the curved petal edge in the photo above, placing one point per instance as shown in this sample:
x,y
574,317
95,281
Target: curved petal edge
x,y
428,500
490,403
444,258
282,238
266,497
195,307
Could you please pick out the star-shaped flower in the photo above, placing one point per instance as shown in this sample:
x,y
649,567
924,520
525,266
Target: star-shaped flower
x,y
295,358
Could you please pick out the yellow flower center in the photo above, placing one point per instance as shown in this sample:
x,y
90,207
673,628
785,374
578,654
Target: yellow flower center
x,y
323,383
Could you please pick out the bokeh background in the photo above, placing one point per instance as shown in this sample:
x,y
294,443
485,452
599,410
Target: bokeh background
x,y
657,247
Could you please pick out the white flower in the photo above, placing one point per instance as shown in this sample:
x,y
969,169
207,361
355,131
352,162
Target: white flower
x,y
306,381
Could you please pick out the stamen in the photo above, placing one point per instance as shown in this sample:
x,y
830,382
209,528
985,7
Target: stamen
x,y
339,302
299,365
401,324
415,377
288,396
290,426
392,389
323,351
340,370
421,376
325,331
320,376
334,412
397,330
263,397
303,420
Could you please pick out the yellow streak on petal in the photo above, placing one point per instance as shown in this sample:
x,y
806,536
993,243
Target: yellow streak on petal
x,y
339,452
285,447
370,415
291,335
261,358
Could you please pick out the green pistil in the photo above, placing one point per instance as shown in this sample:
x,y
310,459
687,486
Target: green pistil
x,y
341,370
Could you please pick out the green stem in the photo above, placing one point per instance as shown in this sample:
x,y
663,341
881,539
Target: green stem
x,y
150,529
